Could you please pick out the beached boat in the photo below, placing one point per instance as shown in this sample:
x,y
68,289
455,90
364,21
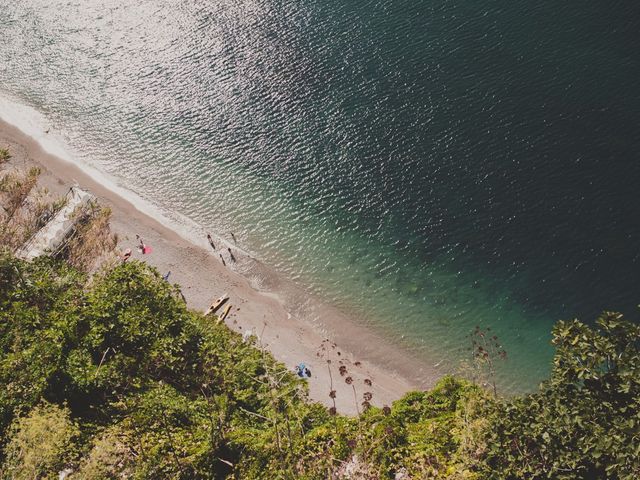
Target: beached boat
x,y
217,304
225,312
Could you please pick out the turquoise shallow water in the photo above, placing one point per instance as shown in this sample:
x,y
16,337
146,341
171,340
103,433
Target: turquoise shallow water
x,y
426,166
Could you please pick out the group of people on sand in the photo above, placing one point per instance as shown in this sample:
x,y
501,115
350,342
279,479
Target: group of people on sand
x,y
143,248
213,245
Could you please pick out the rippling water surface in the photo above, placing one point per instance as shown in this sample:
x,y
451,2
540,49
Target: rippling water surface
x,y
426,166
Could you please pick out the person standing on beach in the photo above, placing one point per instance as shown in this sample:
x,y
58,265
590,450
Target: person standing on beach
x,y
222,259
233,259
211,241
234,237
143,247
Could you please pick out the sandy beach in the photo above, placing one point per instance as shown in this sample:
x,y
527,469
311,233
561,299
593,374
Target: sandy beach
x,y
278,311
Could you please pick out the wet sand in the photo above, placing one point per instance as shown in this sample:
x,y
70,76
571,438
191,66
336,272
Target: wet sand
x,y
295,326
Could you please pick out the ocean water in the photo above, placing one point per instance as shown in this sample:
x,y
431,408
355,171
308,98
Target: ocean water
x,y
425,166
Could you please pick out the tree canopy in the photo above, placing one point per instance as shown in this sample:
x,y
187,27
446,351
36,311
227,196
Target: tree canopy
x,y
111,376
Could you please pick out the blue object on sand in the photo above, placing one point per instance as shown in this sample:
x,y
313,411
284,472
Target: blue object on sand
x,y
300,370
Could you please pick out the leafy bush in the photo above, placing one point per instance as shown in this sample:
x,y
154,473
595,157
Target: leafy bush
x,y
113,377
41,444
110,457
4,155
585,421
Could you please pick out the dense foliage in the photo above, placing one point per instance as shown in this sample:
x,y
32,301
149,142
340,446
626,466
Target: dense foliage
x,y
111,376
585,421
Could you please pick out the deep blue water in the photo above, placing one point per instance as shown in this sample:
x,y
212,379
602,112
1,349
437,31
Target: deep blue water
x,y
427,166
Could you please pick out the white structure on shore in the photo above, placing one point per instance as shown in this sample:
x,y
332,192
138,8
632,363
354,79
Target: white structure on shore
x,y
50,237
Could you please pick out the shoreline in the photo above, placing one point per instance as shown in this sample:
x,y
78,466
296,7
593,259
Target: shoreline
x,y
272,306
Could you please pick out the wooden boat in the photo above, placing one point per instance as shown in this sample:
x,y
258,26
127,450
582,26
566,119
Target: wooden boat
x,y
217,304
225,312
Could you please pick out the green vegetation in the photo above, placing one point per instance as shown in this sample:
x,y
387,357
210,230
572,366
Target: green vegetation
x,y
111,376
41,443
585,421
25,208
4,155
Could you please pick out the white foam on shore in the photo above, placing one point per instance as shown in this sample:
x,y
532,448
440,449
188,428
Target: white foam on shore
x,y
37,126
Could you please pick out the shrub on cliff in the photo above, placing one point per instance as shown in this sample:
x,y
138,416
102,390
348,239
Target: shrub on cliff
x,y
40,305
41,443
138,386
585,421
4,155
122,349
